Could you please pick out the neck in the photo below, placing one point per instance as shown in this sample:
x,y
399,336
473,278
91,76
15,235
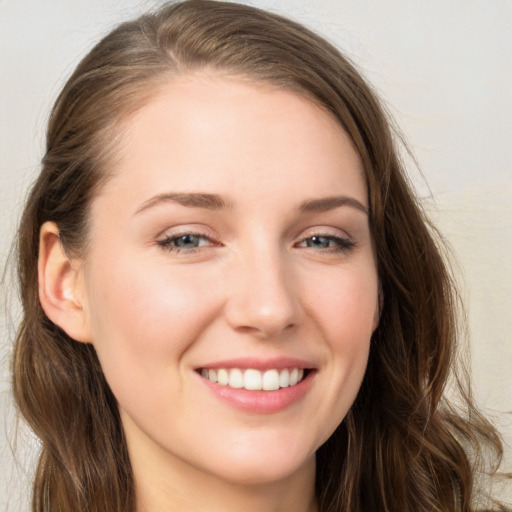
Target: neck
x,y
187,489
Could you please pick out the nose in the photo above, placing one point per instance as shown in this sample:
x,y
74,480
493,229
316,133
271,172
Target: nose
x,y
263,301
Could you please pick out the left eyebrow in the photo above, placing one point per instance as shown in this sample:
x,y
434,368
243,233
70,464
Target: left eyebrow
x,y
191,200
325,204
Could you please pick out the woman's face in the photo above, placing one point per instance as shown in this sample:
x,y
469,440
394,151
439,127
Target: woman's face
x,y
231,244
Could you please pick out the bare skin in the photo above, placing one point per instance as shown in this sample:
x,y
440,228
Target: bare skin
x,y
233,236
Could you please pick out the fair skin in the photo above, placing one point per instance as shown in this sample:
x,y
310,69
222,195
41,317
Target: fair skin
x,y
231,242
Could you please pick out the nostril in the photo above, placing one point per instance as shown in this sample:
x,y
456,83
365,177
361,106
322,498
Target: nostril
x,y
262,300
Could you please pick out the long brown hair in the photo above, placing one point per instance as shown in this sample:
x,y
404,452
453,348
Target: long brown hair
x,y
402,446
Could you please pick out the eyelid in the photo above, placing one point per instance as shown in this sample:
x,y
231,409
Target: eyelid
x,y
187,229
344,242
327,231
177,236
165,240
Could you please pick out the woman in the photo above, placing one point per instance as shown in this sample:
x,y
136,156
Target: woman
x,y
232,299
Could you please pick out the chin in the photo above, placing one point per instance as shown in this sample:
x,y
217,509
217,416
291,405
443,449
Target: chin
x,y
263,470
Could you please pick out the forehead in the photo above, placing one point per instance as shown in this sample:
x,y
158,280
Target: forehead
x,y
215,133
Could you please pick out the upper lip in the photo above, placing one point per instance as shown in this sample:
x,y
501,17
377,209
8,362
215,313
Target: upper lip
x,y
278,363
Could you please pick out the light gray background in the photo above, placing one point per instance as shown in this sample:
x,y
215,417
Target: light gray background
x,y
443,67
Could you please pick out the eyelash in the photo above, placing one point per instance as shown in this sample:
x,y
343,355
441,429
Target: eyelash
x,y
342,245
166,243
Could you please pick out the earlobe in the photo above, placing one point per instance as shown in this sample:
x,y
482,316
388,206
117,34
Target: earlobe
x,y
61,286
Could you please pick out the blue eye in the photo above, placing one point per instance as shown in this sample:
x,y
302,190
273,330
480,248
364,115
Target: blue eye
x,y
327,242
184,242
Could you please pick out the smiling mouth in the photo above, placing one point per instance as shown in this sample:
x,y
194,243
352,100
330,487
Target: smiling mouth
x,y
255,380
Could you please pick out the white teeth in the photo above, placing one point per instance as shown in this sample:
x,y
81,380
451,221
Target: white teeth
x,y
284,379
271,380
254,380
236,378
222,377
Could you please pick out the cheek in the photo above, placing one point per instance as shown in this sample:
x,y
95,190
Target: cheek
x,y
346,309
142,321
345,304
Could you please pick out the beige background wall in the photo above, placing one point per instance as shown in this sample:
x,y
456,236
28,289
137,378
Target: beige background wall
x,y
445,70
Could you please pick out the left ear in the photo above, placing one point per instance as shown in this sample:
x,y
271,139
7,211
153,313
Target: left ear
x,y
61,285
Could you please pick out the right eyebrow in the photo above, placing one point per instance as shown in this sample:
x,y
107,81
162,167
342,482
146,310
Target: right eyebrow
x,y
191,200
325,204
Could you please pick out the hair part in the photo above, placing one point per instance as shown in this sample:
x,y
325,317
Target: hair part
x,y
402,446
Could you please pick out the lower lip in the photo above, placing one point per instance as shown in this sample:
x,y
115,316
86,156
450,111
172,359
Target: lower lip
x,y
261,402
